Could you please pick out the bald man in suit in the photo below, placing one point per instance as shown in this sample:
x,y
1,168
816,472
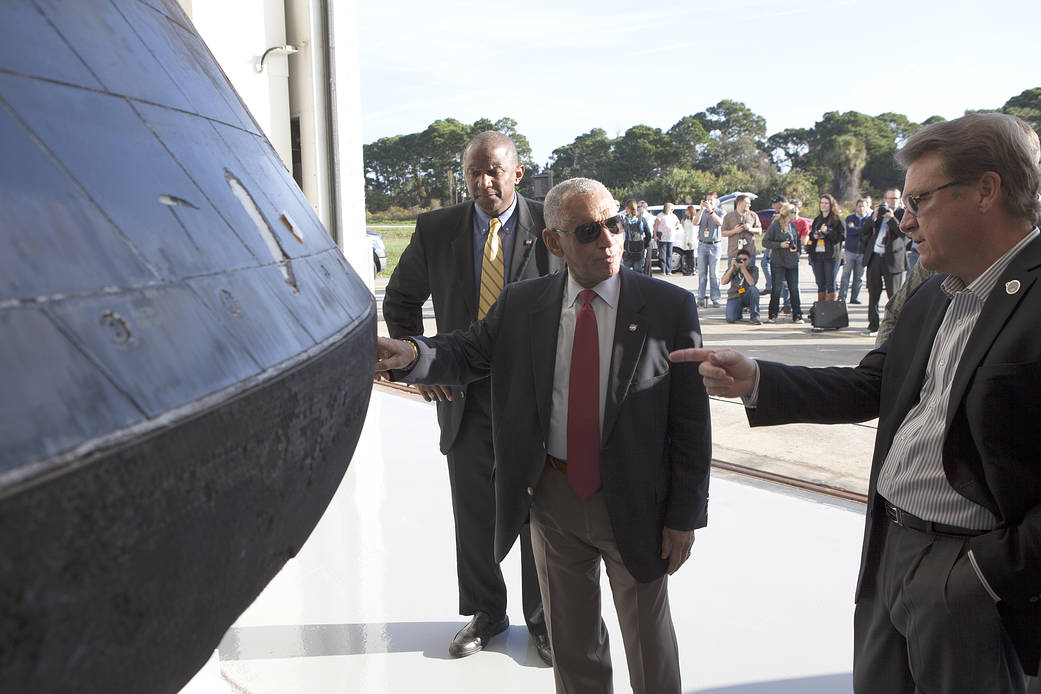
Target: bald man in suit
x,y
445,261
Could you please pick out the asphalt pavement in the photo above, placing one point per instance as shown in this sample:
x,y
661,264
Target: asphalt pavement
x,y
836,455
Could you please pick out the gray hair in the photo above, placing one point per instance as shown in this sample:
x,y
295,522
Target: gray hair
x,y
979,142
493,138
553,206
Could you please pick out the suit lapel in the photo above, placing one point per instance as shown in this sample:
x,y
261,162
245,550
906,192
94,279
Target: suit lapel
x,y
463,257
993,317
628,346
524,237
544,323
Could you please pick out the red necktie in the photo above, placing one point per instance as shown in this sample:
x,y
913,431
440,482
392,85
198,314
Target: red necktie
x,y
583,403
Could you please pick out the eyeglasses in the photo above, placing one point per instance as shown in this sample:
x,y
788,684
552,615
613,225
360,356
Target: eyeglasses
x,y
911,202
590,231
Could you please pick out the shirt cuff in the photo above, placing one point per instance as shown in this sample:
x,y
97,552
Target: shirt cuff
x,y
979,575
752,401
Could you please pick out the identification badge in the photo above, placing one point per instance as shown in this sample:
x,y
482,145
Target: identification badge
x,y
741,290
820,245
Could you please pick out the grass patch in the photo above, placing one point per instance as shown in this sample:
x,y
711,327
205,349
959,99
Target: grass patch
x,y
395,239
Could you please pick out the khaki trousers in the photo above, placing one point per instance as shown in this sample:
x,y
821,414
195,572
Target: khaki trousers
x,y
569,538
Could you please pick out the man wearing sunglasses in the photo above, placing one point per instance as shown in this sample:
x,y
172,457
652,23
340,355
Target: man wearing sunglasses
x,y
949,592
604,445
462,256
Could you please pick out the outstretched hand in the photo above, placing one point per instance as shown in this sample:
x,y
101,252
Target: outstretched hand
x,y
725,372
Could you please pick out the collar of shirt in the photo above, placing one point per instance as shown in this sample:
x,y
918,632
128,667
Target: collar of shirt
x,y
482,219
982,286
607,290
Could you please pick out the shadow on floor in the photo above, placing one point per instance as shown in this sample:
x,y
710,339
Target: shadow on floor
x,y
313,640
823,684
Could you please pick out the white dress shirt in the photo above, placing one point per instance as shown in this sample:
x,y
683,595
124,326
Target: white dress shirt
x,y
605,307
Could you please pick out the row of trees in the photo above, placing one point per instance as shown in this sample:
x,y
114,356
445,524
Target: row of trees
x,y
724,148
424,169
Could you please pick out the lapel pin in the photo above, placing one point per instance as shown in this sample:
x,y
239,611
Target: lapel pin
x,y
633,327
527,242
1012,287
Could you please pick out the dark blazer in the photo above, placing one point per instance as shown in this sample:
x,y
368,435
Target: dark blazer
x,y
991,454
439,263
772,239
656,437
895,257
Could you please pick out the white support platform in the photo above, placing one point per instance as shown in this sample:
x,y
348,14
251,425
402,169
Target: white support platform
x,y
765,604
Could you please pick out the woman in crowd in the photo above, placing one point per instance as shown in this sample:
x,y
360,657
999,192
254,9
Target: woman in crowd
x,y
637,237
665,229
690,241
825,247
782,237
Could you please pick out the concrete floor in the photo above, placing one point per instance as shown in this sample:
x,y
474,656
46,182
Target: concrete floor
x,y
369,604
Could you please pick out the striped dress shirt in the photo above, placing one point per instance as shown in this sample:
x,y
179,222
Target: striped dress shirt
x,y
912,476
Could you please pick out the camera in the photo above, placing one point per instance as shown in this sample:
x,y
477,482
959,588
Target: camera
x,y
883,208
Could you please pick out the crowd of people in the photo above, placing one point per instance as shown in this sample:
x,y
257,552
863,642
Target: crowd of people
x,y
840,252
539,333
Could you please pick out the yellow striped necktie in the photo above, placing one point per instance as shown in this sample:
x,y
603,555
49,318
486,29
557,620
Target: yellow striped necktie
x,y
492,276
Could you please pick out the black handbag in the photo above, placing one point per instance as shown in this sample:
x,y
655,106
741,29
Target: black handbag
x,y
829,315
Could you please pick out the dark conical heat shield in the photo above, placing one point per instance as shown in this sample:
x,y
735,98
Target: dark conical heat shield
x,y
185,356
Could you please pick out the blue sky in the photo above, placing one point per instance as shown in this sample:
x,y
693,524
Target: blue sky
x,y
560,70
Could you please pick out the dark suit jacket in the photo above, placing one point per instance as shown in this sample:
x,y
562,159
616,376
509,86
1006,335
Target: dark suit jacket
x,y
895,257
656,451
438,263
991,454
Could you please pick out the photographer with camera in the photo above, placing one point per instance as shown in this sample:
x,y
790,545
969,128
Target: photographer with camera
x,y
885,257
743,275
709,223
825,246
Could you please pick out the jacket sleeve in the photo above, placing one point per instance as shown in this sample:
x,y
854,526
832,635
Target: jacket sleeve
x,y
459,357
772,237
837,232
830,395
408,288
690,433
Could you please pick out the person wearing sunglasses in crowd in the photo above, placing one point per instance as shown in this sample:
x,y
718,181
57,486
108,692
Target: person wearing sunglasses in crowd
x,y
604,446
456,257
948,599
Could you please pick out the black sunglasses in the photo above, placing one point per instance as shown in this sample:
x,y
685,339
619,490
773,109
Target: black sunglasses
x,y
911,202
590,231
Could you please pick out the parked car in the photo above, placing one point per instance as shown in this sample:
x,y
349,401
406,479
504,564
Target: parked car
x,y
766,216
725,205
379,251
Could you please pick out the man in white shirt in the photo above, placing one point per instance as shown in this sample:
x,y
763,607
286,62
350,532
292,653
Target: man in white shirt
x,y
949,594
608,453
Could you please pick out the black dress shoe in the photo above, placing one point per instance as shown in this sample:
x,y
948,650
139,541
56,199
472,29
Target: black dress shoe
x,y
542,646
474,636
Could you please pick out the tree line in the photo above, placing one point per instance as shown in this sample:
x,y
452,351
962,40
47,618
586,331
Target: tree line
x,y
723,148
